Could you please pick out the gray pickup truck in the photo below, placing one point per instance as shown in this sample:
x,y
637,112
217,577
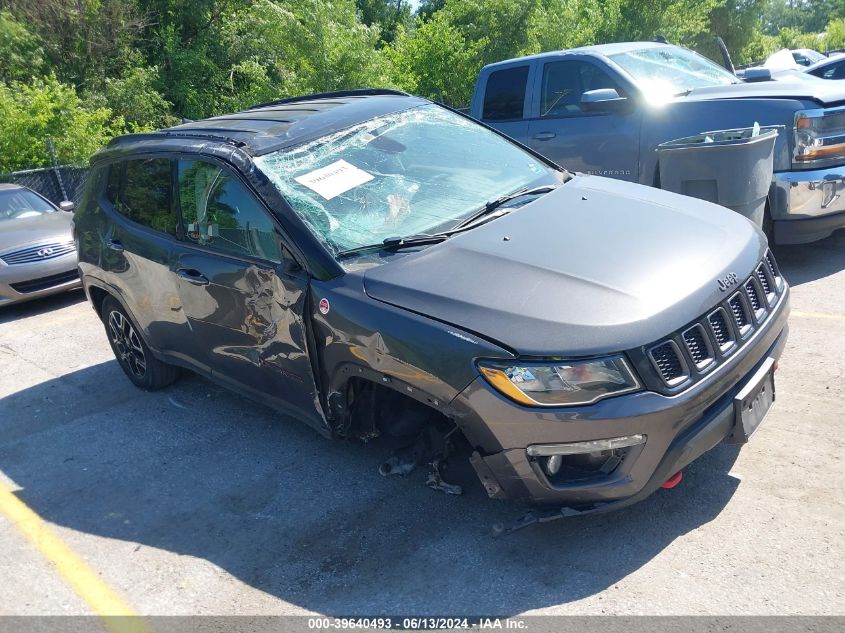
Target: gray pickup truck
x,y
604,109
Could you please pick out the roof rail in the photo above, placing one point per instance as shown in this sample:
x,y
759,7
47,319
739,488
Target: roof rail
x,y
359,92
168,133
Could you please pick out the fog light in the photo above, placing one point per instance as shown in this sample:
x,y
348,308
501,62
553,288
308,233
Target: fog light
x,y
591,446
553,465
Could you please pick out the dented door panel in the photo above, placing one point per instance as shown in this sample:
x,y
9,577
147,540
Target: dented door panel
x,y
249,319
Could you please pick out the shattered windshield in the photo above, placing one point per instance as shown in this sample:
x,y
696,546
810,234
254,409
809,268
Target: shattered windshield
x,y
666,71
413,172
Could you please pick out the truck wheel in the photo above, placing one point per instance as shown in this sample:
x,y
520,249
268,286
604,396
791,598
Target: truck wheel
x,y
140,366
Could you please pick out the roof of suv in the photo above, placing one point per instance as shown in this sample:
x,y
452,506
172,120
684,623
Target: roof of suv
x,y
271,126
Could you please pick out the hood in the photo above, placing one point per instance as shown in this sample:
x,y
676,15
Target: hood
x,y
597,266
49,227
786,84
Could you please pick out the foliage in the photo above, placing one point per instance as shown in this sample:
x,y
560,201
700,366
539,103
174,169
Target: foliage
x,y
436,60
390,16
19,49
802,16
30,113
84,70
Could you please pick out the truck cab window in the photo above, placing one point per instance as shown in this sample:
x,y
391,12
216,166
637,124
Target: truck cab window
x,y
505,94
565,82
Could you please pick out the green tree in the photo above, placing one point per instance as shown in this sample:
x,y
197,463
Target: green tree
x,y
32,112
20,49
390,16
436,61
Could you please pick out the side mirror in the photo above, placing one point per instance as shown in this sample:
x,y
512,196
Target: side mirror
x,y
603,100
67,205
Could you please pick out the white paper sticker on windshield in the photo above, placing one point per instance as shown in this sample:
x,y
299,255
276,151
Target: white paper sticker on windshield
x,y
335,179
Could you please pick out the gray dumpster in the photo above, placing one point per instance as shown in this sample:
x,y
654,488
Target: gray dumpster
x,y
732,168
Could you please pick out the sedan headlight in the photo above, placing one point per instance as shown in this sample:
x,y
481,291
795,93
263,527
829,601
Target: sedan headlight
x,y
560,383
819,136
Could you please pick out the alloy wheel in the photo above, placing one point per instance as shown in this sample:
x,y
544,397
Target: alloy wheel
x,y
127,344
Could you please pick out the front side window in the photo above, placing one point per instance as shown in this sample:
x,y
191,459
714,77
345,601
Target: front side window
x,y
17,204
836,71
417,171
219,212
505,94
141,190
666,71
565,82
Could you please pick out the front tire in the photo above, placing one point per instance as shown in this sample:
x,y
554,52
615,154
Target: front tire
x,y
132,354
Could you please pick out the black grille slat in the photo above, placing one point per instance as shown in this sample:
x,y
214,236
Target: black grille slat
x,y
764,280
739,313
669,364
697,346
753,297
720,328
43,283
773,268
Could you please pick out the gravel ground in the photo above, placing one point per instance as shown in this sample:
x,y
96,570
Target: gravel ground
x,y
193,500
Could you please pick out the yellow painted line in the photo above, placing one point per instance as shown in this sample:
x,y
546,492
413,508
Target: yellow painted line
x,y
117,616
817,315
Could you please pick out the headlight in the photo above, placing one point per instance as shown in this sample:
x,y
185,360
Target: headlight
x,y
819,136
561,383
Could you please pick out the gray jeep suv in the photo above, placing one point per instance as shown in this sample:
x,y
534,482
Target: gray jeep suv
x,y
375,264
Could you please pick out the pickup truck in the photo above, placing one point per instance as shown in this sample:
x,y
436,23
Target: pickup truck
x,y
604,109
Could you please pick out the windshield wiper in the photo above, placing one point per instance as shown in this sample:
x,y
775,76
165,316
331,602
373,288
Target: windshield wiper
x,y
494,204
396,243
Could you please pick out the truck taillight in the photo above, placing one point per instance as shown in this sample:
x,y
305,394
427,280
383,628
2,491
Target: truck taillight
x,y
819,137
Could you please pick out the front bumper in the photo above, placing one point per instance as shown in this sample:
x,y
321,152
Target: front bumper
x,y
23,282
807,205
678,429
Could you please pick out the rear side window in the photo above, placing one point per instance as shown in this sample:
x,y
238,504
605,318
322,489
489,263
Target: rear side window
x,y
141,190
505,94
219,212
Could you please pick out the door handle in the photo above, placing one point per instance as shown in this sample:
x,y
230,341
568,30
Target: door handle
x,y
115,245
544,136
192,276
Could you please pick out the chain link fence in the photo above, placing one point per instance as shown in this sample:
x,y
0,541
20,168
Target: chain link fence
x,y
46,181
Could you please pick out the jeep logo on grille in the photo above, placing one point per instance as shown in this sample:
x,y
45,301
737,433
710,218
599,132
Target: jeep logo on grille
x,y
731,279
45,252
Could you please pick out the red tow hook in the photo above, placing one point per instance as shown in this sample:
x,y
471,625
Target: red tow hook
x,y
673,481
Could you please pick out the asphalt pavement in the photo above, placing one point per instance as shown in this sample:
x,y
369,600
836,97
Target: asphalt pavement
x,y
194,500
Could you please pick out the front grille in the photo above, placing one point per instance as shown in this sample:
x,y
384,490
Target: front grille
x,y
705,343
43,283
38,253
